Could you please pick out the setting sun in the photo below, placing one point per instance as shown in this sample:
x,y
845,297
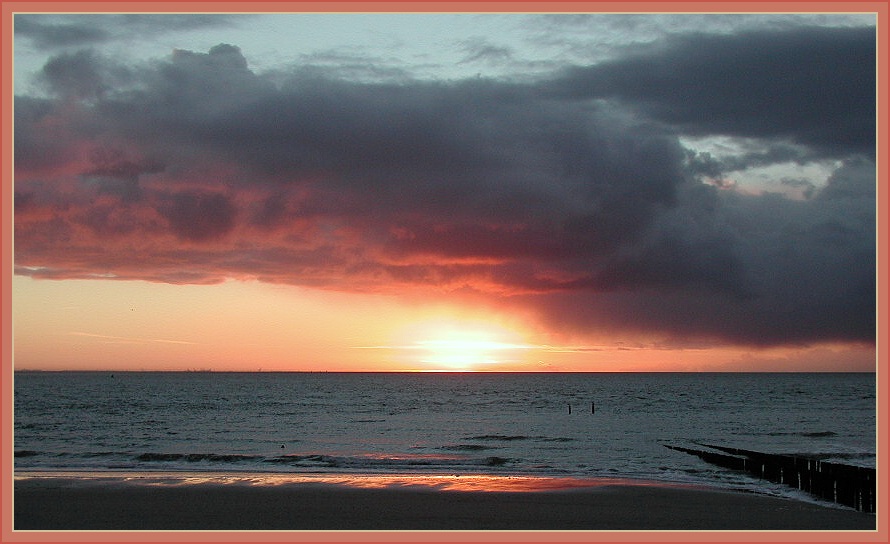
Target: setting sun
x,y
464,352
461,345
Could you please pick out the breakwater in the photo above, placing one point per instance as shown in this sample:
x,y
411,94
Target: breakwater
x,y
843,484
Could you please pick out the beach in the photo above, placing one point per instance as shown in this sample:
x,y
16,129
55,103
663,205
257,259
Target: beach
x,y
157,502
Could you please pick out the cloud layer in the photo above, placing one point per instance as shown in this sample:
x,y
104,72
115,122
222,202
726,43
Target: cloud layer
x,y
570,195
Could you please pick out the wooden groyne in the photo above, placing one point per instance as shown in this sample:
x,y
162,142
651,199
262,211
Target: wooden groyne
x,y
843,484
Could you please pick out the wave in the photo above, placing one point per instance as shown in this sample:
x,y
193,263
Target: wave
x,y
463,460
856,459
512,438
499,437
196,457
468,447
816,434
387,462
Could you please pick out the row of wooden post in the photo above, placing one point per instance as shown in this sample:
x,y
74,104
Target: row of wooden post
x,y
849,485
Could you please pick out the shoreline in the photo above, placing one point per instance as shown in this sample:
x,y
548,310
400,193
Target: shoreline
x,y
144,501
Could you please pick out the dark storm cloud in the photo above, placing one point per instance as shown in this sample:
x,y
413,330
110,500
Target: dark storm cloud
x,y
785,271
570,206
813,86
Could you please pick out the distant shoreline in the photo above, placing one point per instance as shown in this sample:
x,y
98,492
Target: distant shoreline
x,y
161,501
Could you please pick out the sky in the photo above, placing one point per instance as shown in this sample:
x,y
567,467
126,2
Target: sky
x,y
445,191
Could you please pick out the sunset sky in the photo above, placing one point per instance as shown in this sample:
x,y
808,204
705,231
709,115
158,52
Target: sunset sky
x,y
540,192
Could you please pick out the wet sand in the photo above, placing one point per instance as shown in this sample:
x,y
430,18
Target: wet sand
x,y
154,503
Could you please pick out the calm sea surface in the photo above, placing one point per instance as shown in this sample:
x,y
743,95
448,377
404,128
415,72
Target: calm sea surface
x,y
511,424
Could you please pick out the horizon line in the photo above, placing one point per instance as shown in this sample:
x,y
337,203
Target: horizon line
x,y
212,371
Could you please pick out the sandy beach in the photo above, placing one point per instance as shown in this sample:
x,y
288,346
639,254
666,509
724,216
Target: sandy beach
x,y
155,503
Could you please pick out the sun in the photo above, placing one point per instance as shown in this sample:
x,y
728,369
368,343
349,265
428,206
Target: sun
x,y
460,349
458,355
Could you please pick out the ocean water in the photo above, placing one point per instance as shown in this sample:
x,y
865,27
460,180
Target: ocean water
x,y
565,425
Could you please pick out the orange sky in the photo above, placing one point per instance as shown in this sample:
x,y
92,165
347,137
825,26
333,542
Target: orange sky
x,y
247,326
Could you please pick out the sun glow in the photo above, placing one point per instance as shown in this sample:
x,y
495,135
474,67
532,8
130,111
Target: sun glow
x,y
463,355
466,348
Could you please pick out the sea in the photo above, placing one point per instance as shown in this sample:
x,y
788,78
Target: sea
x,y
559,425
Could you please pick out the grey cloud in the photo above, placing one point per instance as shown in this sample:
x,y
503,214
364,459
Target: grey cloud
x,y
115,164
353,64
481,50
755,270
46,34
806,186
705,164
814,86
75,74
200,216
40,141
116,173
650,27
51,31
